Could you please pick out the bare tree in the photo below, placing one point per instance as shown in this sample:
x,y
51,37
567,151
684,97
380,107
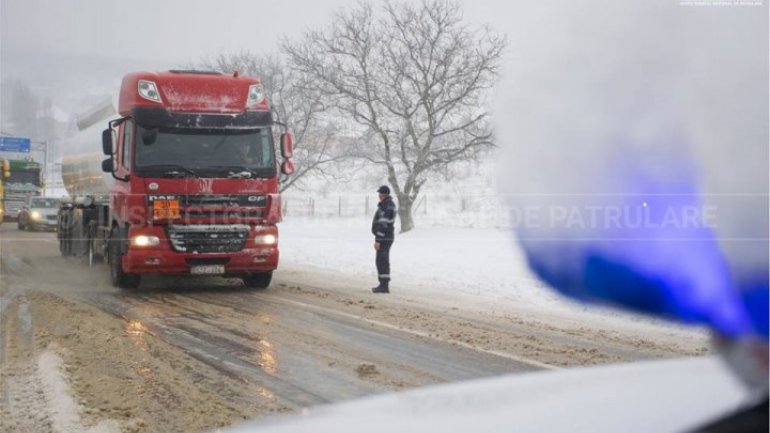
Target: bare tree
x,y
294,104
414,78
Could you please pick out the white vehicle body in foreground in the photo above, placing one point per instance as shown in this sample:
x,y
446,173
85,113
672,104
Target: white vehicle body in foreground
x,y
652,396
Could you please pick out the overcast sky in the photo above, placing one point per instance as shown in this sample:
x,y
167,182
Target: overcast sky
x,y
174,30
170,30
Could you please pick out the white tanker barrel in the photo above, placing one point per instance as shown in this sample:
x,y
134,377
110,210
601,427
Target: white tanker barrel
x,y
82,162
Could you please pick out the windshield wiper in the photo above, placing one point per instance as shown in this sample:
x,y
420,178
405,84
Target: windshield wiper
x,y
169,170
245,174
234,171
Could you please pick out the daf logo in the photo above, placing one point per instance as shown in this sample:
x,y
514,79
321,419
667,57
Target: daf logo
x,y
253,198
213,236
161,197
152,186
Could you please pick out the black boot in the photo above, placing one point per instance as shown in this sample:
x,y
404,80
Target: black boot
x,y
383,287
378,287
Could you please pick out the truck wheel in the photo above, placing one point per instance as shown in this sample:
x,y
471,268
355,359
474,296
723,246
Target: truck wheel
x,y
258,281
63,247
119,278
63,243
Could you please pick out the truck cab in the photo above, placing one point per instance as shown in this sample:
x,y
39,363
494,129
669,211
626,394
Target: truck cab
x,y
195,172
22,179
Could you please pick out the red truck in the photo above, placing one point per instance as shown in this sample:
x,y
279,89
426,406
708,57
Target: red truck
x,y
190,184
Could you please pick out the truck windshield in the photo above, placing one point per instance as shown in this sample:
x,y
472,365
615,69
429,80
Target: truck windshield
x,y
24,176
204,152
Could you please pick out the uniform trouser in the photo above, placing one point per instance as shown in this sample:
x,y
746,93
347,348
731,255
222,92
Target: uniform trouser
x,y
383,261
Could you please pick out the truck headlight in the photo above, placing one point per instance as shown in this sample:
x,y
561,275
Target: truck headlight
x,y
145,241
256,94
35,215
265,239
148,90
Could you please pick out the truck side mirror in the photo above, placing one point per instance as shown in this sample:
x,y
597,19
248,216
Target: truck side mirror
x,y
107,142
287,167
108,166
287,145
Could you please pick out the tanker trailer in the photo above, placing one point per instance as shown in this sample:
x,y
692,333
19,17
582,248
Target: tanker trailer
x,y
84,211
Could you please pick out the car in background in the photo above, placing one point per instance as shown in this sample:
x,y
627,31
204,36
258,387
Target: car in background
x,y
39,213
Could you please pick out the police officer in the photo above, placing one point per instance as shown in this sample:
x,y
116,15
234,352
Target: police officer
x,y
382,229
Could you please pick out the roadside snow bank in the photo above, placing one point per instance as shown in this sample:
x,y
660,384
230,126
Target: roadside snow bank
x,y
62,407
468,268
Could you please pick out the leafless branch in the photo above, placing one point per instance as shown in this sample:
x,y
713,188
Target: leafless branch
x,y
413,76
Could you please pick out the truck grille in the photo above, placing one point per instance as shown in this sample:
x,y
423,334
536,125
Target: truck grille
x,y
228,200
186,213
208,238
14,203
13,207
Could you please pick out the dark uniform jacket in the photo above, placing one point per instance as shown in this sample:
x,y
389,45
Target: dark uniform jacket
x,y
384,219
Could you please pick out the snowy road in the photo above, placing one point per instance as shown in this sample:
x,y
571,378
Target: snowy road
x,y
182,354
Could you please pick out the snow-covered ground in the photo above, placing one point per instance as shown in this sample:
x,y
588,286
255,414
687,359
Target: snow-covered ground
x,y
482,265
469,268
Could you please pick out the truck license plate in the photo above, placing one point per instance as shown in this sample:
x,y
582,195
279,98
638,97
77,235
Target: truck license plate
x,y
208,270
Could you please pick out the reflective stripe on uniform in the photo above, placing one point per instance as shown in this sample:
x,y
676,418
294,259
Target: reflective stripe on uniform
x,y
384,276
